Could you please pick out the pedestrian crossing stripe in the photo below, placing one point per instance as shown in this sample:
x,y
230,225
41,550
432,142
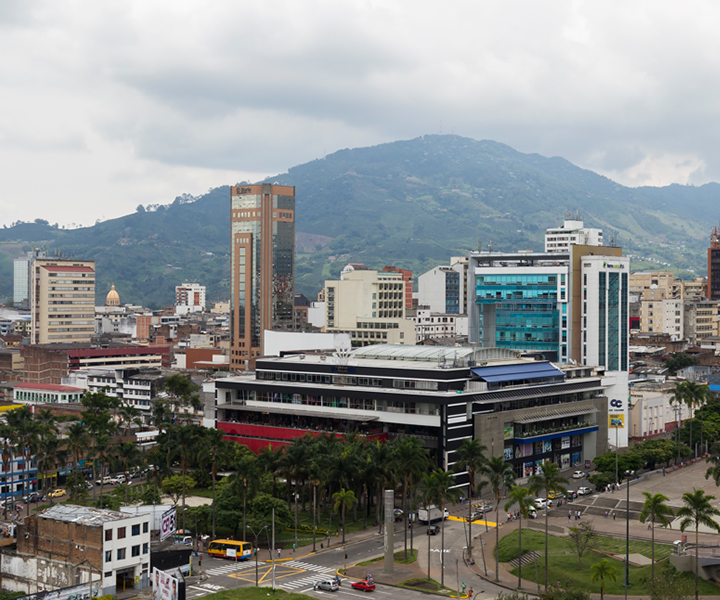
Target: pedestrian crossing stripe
x,y
228,569
310,567
297,583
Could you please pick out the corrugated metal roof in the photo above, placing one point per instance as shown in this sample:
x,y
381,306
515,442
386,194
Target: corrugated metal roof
x,y
85,515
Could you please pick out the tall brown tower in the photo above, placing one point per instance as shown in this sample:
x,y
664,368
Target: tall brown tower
x,y
262,266
713,266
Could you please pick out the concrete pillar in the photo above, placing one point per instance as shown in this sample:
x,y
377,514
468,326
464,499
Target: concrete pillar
x,y
389,531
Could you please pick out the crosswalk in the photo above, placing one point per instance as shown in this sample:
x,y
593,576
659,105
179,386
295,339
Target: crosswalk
x,y
230,568
319,573
297,584
310,567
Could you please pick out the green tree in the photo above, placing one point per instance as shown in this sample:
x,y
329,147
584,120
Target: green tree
x,y
174,487
668,584
522,498
183,396
295,462
260,513
580,539
548,480
409,458
444,483
430,494
679,361
219,453
344,499
246,471
697,511
501,477
602,571
471,455
655,509
128,458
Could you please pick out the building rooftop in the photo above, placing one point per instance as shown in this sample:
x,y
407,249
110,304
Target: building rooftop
x,y
84,515
433,354
48,387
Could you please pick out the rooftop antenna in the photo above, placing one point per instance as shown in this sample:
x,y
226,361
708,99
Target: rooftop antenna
x,y
479,245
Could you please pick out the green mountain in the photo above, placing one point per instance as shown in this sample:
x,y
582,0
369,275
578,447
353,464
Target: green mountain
x,y
411,204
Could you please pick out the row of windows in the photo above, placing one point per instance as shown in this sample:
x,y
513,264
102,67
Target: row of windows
x,y
122,552
121,531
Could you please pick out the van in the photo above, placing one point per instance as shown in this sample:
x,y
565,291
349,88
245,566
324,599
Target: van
x,y
107,480
118,479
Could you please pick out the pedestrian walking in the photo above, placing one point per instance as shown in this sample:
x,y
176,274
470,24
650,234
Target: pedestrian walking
x,y
663,471
579,515
279,552
613,516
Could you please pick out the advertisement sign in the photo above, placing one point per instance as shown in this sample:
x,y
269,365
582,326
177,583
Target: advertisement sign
x,y
77,592
616,421
168,526
508,432
166,586
565,443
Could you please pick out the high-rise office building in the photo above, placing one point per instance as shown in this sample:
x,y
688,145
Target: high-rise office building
x,y
262,266
572,231
21,281
62,300
713,266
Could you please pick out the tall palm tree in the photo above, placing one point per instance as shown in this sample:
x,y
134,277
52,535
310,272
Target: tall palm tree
x,y
247,469
129,457
678,398
410,458
344,499
602,571
692,396
429,496
184,440
548,480
444,484
294,463
26,435
77,441
471,456
655,509
129,416
714,470
103,453
501,477
521,497
698,510
218,452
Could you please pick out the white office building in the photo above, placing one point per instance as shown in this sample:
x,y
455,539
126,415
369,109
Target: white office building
x,y
189,297
572,231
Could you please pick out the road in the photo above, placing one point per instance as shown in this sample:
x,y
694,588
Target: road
x,y
298,575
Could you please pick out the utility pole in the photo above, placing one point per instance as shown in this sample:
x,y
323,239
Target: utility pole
x,y
273,548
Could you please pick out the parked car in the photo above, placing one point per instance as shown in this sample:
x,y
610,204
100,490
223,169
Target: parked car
x,y
363,586
555,495
433,530
583,491
541,502
476,515
578,475
32,497
106,480
187,540
57,493
328,585
571,495
118,479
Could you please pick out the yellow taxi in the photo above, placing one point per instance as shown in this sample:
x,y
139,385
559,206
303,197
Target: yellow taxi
x,y
56,493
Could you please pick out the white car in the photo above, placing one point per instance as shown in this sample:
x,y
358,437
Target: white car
x,y
582,491
541,502
578,475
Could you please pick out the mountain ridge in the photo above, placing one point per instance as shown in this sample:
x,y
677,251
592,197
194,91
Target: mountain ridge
x,y
410,203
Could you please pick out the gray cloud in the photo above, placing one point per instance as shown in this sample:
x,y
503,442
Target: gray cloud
x,y
156,98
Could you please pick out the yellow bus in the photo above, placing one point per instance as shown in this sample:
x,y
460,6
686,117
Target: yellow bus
x,y
230,549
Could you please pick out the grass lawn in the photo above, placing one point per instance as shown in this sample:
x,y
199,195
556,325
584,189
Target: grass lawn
x,y
563,563
427,585
399,557
254,593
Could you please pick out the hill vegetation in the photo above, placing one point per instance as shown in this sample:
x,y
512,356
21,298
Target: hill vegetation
x,y
412,204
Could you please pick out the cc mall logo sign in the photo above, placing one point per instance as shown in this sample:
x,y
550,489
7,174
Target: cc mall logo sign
x,y
616,403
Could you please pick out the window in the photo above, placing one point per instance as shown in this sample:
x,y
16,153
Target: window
x,y
136,550
121,533
136,529
121,554
108,556
108,535
145,548
145,527
108,573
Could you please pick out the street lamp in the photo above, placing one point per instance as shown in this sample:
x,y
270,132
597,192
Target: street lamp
x,y
257,535
628,474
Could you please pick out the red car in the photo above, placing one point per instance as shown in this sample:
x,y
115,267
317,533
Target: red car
x,y
363,586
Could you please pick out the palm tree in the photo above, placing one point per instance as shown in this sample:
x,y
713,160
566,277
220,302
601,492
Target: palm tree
x,y
471,456
692,396
77,441
522,497
343,499
246,470
218,452
655,509
444,482
548,480
501,477
601,571
184,440
26,434
697,511
129,457
678,397
714,470
129,415
295,462
410,458
102,452
429,495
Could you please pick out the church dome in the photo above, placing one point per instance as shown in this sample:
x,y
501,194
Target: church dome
x,y
113,298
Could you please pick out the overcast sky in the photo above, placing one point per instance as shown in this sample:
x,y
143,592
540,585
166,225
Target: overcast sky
x,y
107,105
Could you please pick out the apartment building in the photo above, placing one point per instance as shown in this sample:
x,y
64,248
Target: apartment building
x,y
700,320
663,316
189,297
430,325
62,300
442,289
369,305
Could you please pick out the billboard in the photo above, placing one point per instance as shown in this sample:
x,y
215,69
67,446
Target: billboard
x,y
616,421
167,586
77,592
168,525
